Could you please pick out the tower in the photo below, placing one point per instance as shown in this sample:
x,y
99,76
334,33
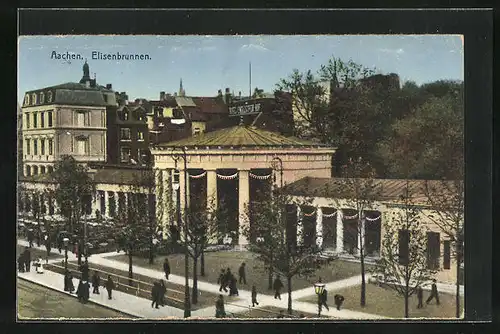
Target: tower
x,y
182,92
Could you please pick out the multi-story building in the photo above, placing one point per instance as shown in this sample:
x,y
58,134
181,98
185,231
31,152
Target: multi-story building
x,y
67,119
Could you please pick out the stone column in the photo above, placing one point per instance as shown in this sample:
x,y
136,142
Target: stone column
x,y
96,203
243,199
319,227
182,189
340,231
106,204
115,198
383,221
212,187
300,229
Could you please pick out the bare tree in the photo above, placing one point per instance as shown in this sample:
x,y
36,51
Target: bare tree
x,y
446,201
359,190
403,264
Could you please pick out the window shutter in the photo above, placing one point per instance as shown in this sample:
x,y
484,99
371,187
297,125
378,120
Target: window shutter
x,y
446,254
404,240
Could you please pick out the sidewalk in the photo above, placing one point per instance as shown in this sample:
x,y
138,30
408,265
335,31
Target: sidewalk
x,y
122,302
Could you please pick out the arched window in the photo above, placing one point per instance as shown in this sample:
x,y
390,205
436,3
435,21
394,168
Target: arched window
x,y
33,99
28,170
51,169
42,98
27,100
42,170
35,170
49,97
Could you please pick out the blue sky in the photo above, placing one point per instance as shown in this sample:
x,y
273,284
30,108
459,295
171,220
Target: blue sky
x,y
209,63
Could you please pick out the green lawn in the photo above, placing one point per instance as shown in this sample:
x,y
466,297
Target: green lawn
x,y
272,312
175,292
35,301
386,302
215,261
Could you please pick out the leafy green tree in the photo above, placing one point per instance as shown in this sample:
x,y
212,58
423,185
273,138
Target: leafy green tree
x,y
36,211
73,190
360,190
435,135
403,262
272,241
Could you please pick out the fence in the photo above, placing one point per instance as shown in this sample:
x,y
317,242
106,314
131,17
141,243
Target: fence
x,y
121,282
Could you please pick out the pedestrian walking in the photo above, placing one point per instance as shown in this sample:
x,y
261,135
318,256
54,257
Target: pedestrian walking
x,y
166,268
71,286
324,299
79,291
221,280
84,269
20,263
86,291
96,282
277,285
27,259
30,237
163,290
47,247
219,308
110,285
420,297
339,299
254,296
233,289
227,279
434,293
155,294
242,274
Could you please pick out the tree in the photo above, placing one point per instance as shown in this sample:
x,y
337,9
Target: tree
x,y
403,263
203,227
274,241
36,211
359,191
434,132
446,201
74,188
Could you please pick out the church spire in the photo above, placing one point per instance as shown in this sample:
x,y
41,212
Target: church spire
x,y
182,92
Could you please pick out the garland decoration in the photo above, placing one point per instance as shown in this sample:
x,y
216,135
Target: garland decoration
x,y
198,176
229,177
260,177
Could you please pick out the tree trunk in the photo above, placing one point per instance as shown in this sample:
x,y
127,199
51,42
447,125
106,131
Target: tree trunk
x,y
202,264
406,299
457,293
79,250
194,298
289,283
151,254
363,282
130,273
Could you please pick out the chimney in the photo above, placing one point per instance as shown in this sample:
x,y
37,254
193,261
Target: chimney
x,y
109,86
239,94
227,96
162,96
219,93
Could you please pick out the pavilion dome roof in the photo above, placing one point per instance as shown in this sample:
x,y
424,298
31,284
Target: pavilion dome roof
x,y
246,136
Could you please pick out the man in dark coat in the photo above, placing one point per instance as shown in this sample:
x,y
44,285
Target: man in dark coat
x,y
233,289
96,281
242,274
79,291
71,286
222,280
277,285
227,278
339,299
20,263
324,299
30,237
420,297
155,294
84,269
85,293
163,290
110,285
254,296
166,268
27,259
434,293
47,247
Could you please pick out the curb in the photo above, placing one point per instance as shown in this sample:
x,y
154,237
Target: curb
x,y
73,296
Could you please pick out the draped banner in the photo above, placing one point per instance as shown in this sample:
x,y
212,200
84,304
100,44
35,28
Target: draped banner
x,y
198,176
330,214
229,177
260,177
372,219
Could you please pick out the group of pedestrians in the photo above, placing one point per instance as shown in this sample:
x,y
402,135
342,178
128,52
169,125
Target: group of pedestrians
x,y
158,294
24,262
228,280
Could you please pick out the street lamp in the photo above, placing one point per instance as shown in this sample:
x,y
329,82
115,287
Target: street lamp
x,y
187,301
319,288
65,240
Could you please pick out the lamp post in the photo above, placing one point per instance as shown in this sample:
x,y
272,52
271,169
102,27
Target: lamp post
x,y
65,241
187,301
319,288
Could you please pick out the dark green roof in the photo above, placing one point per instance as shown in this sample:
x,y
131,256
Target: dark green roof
x,y
241,136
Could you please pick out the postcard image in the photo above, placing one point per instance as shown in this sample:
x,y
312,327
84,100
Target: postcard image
x,y
271,177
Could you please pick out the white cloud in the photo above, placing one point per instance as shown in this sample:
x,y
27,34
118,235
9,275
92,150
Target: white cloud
x,y
253,47
393,51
